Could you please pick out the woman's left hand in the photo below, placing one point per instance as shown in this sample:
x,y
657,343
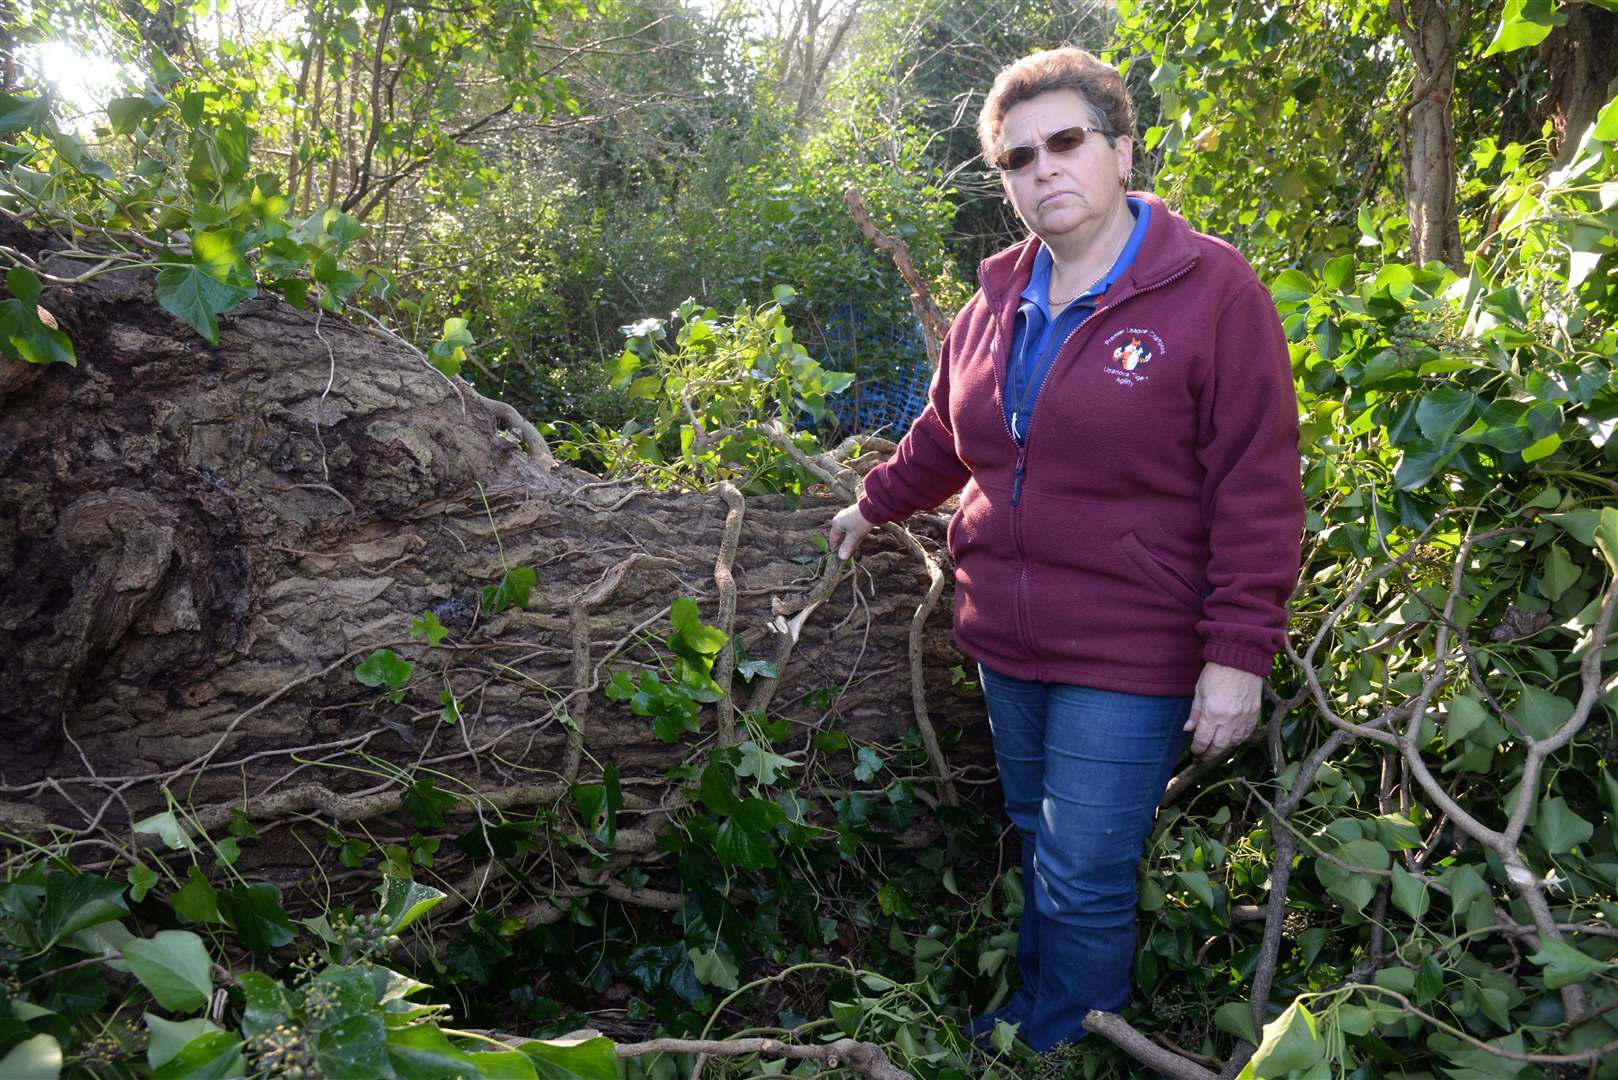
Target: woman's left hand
x,y
1224,709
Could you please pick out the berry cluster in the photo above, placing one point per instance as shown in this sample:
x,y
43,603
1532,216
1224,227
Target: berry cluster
x,y
364,936
283,1052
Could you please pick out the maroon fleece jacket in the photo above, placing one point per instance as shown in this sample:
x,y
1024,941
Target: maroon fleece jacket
x,y
1151,520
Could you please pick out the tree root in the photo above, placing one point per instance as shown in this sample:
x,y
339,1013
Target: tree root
x,y
862,1058
918,683
841,481
584,678
725,580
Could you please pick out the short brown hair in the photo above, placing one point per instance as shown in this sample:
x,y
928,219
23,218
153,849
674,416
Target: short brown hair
x,y
1098,83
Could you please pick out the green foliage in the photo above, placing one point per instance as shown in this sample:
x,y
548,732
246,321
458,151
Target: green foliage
x,y
174,967
511,592
25,335
1457,447
343,1014
719,389
384,669
1258,121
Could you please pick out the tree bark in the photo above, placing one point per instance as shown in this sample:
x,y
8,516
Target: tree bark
x,y
1581,57
199,545
1432,30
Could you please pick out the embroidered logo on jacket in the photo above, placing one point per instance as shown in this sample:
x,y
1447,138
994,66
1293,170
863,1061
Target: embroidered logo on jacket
x,y
1132,355
1133,348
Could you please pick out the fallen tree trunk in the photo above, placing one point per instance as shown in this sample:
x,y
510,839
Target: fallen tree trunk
x,y
199,545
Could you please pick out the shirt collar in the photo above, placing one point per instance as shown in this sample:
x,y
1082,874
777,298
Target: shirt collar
x,y
1038,290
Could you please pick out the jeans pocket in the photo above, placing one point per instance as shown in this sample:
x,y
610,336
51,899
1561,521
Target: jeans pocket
x,y
1160,573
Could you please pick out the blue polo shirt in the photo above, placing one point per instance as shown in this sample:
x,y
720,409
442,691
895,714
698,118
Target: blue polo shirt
x,y
1038,338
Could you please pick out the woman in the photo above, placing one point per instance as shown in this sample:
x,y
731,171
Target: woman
x,y
1117,402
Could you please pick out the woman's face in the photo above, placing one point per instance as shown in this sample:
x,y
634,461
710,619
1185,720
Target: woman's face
x,y
1061,194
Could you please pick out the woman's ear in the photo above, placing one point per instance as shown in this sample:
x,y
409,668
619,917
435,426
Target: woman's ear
x,y
1124,149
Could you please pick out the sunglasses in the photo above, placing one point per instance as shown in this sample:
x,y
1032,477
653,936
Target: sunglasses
x,y
1018,158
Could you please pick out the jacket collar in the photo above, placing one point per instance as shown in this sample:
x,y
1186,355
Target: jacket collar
x,y
1168,249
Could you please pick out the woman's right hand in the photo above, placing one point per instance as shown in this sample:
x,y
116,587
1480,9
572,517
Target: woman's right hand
x,y
848,528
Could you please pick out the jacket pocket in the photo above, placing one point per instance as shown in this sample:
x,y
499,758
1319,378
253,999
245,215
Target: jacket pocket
x,y
979,524
1164,576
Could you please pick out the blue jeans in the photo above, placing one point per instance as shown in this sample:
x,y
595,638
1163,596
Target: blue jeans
x,y
1083,771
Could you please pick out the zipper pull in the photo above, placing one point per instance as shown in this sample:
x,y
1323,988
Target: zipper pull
x,y
1016,481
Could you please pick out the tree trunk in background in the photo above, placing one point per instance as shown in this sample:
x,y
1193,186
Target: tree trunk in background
x,y
1431,29
1582,59
199,545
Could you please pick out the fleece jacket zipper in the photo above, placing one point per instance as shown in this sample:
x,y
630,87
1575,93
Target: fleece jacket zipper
x,y
1020,602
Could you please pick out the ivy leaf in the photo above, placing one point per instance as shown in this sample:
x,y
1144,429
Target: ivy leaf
x,y
354,1049
1420,463
426,804
197,900
38,1058
1236,1018
1541,713
404,901
76,901
1542,448
267,1002
423,1051
169,1037
750,669
23,332
1524,23
1397,833
339,283
428,627
599,805
717,788
241,827
1466,886
1409,894
1291,1041
566,1059
199,298
1564,965
1606,536
503,1065
125,113
738,845
1440,412
255,913
712,968
385,669
1559,574
511,592
449,352
174,967
1429,980
142,879
1197,881
1559,828
1607,122
867,763
19,113
761,763
168,828
692,641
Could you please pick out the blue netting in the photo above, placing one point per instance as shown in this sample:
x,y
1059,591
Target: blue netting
x,y
891,367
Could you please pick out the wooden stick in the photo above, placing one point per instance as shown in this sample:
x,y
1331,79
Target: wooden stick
x,y
933,323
